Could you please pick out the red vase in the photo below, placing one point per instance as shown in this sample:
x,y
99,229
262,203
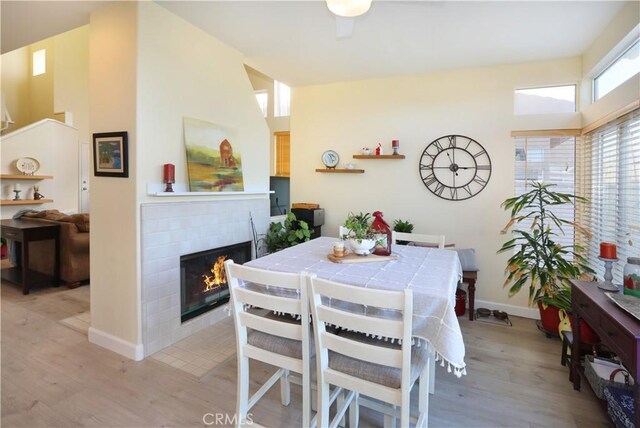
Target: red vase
x,y
4,252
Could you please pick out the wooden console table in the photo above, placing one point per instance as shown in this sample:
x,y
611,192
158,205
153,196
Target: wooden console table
x,y
22,232
617,329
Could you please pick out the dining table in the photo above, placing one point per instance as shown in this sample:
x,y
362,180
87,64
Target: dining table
x,y
431,273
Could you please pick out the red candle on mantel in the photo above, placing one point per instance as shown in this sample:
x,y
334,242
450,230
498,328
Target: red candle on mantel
x,y
608,250
169,173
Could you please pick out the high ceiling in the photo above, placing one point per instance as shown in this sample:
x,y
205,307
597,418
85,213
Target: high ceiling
x,y
296,41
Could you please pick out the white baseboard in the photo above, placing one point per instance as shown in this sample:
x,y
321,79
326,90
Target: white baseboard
x,y
519,311
119,346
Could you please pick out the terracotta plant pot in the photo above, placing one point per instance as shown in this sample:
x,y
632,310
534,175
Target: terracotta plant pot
x,y
550,320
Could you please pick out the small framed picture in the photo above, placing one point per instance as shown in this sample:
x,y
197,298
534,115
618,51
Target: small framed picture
x,y
110,156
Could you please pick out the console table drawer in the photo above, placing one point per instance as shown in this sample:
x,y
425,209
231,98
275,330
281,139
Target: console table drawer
x,y
11,233
588,310
615,337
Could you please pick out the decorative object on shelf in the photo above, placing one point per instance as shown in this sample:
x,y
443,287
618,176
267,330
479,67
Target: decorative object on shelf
x,y
330,159
455,167
379,149
631,276
366,151
212,163
395,145
608,266
36,193
17,190
169,176
27,166
383,244
608,250
110,156
536,259
351,166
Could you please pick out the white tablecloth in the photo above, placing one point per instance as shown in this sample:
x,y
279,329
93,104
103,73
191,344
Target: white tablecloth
x,y
432,274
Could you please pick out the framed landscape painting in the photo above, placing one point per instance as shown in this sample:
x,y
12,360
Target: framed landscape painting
x,y
110,157
213,164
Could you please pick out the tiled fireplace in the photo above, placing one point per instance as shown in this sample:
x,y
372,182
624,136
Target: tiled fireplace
x,y
175,229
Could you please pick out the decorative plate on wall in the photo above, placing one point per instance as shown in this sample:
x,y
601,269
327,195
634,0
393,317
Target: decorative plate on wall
x,y
455,167
27,166
330,158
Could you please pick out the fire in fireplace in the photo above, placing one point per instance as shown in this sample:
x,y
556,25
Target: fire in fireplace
x,y
203,282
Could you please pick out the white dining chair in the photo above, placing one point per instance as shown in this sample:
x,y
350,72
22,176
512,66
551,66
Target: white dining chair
x,y
419,238
282,341
375,357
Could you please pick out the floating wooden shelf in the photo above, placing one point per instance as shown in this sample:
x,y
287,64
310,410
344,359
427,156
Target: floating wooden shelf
x,y
340,170
25,177
25,201
378,156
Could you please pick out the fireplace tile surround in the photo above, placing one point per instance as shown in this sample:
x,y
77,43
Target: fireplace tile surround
x,y
172,229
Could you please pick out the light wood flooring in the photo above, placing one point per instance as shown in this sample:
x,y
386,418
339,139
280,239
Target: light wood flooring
x,y
53,377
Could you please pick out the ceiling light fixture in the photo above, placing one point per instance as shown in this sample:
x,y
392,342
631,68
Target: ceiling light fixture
x,y
349,8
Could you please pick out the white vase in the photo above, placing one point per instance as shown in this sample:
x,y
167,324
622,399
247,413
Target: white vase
x,y
361,247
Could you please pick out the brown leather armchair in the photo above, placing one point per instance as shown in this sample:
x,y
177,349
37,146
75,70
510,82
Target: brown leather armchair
x,y
74,247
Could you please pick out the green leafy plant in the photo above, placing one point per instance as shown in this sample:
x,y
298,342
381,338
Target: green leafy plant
x,y
402,226
539,260
359,226
281,236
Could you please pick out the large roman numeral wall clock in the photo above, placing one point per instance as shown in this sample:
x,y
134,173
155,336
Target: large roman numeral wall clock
x,y
455,167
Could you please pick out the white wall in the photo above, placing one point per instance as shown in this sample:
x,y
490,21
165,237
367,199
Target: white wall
x,y
149,69
71,78
416,110
53,144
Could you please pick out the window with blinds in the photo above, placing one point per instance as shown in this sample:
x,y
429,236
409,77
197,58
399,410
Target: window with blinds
x,y
282,148
608,173
549,159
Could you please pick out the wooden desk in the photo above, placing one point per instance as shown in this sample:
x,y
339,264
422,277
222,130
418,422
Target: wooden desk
x,y
619,330
22,232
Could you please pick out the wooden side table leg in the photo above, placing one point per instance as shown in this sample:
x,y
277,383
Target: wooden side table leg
x,y
472,297
25,266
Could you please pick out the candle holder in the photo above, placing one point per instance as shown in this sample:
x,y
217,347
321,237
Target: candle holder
x,y
395,145
608,265
17,197
169,176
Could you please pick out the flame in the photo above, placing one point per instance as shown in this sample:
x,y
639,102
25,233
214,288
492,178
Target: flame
x,y
219,276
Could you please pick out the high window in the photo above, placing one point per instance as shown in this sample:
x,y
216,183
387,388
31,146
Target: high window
x,y
39,60
608,173
624,67
545,100
549,159
263,101
282,99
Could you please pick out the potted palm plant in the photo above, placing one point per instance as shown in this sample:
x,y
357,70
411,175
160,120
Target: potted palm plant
x,y
538,259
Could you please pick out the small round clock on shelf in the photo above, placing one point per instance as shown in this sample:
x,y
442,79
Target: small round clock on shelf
x,y
455,167
330,159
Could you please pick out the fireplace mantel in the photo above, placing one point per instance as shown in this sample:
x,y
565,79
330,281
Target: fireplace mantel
x,y
157,189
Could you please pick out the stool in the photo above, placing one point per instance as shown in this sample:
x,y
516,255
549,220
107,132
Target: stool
x,y
565,358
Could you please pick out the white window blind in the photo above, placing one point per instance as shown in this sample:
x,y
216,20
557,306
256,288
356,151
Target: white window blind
x,y
550,160
609,175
